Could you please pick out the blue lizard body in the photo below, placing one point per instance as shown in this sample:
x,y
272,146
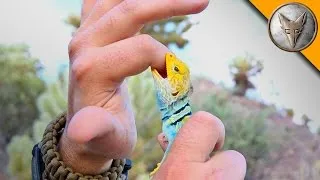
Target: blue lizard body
x,y
172,94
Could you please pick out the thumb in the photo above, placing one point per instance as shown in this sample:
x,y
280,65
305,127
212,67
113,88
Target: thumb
x,y
97,130
201,134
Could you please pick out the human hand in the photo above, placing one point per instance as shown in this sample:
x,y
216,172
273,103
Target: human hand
x,y
103,52
189,157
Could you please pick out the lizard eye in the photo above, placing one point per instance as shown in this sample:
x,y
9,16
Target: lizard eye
x,y
176,69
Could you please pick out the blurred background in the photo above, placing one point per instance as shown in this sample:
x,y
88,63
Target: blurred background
x,y
267,98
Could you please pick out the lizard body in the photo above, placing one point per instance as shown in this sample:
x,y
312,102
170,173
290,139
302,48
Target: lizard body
x,y
172,95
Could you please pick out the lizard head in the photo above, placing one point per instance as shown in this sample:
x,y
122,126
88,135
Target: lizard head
x,y
176,84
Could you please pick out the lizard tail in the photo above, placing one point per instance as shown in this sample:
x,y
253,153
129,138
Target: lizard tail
x,y
159,164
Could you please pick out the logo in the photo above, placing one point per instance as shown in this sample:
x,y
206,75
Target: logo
x,y
293,27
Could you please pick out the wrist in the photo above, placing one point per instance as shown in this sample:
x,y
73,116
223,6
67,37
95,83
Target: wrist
x,y
80,159
51,166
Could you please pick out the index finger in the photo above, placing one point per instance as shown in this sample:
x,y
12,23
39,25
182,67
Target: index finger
x,y
202,134
128,17
87,6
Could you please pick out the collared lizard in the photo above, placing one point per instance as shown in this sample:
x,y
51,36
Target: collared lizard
x,y
172,93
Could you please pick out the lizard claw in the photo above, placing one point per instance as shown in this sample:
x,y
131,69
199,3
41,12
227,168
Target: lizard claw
x,y
155,170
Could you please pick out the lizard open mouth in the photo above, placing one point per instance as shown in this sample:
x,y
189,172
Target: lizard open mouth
x,y
161,75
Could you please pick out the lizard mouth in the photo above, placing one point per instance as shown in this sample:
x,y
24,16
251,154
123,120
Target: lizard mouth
x,y
157,75
162,81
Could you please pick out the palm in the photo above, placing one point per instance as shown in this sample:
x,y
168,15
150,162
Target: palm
x,y
115,105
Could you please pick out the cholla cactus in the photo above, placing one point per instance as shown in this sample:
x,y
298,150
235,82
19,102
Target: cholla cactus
x,y
242,68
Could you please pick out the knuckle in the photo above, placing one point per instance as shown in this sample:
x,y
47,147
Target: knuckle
x,y
128,6
173,11
200,5
238,159
147,42
237,155
111,21
146,39
74,46
208,120
80,68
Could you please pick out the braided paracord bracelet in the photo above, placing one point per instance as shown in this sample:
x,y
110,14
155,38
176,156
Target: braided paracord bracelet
x,y
56,169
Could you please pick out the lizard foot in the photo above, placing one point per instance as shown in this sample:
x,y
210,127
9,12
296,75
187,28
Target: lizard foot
x,y
155,170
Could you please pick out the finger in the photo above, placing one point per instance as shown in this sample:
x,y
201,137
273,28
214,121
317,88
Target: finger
x,y
226,165
127,18
198,138
99,131
87,6
101,8
163,141
120,60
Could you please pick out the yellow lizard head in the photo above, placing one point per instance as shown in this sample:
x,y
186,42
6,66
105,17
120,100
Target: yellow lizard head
x,y
177,84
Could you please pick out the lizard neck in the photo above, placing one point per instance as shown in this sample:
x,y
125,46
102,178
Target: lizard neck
x,y
178,109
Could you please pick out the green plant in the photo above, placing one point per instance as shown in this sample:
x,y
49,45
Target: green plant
x,y
246,131
20,160
20,86
242,68
50,104
146,153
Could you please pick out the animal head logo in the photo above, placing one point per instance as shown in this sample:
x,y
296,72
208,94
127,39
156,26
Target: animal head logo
x,y
292,28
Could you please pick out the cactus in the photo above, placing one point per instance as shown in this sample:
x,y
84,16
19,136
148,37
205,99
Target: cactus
x,y
242,68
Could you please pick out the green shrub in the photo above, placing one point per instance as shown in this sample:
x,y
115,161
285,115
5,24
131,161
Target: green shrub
x,y
147,153
20,86
50,104
19,151
246,131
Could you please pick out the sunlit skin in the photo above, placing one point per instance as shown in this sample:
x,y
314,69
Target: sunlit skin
x,y
101,124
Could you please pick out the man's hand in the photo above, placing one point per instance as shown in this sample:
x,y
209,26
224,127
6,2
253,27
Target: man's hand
x,y
189,157
103,52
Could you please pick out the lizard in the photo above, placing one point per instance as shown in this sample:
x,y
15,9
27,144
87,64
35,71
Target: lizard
x,y
172,96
